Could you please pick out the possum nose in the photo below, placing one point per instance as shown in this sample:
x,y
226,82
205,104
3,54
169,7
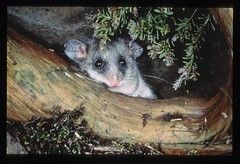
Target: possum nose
x,y
114,81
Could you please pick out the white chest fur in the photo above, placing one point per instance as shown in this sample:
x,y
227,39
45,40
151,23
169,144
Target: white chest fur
x,y
143,90
136,88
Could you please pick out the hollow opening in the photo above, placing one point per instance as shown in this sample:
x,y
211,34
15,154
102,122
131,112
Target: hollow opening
x,y
213,67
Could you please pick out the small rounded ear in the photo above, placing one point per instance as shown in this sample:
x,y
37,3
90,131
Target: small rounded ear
x,y
75,49
135,49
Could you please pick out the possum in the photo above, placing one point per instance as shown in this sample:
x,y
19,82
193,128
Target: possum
x,y
115,65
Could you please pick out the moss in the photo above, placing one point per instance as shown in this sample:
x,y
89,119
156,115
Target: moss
x,y
63,134
25,79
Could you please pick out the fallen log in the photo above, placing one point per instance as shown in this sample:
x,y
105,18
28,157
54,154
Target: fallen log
x,y
40,82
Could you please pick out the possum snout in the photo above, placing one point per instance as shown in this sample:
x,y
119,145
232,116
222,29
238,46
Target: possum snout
x,y
114,80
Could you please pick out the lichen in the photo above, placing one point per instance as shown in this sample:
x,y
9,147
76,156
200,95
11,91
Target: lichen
x,y
25,79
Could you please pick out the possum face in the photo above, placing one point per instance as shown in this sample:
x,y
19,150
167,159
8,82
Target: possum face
x,y
115,66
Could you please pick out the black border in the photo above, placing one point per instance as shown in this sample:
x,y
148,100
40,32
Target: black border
x,y
236,81
98,3
3,80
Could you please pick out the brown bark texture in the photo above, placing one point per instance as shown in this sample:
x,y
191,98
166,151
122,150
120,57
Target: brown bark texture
x,y
39,82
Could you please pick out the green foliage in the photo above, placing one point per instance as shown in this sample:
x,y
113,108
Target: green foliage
x,y
191,31
108,21
160,28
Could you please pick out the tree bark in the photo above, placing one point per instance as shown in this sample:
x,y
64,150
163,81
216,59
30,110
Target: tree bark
x,y
224,17
39,82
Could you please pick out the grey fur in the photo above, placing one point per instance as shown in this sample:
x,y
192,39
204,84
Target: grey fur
x,y
118,68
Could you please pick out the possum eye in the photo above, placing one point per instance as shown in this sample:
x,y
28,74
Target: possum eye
x,y
122,62
99,63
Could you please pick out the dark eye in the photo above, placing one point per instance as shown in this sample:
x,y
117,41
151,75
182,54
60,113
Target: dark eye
x,y
98,63
122,62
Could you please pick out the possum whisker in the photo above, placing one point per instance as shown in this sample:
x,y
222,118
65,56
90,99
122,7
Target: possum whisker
x,y
153,69
152,87
131,77
158,78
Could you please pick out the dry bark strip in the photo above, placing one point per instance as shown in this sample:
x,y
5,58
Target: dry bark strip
x,y
39,82
196,149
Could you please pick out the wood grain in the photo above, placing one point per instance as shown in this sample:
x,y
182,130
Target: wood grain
x,y
40,81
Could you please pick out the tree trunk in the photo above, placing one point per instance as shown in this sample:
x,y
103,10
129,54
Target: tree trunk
x,y
39,82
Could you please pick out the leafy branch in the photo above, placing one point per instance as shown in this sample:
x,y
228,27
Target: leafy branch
x,y
108,21
152,25
193,35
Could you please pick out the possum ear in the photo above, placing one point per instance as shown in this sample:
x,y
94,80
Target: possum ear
x,y
135,49
75,49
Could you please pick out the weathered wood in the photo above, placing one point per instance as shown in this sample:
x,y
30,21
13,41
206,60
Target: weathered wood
x,y
224,17
196,149
39,81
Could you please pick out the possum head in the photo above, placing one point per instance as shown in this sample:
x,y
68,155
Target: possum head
x,y
115,66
